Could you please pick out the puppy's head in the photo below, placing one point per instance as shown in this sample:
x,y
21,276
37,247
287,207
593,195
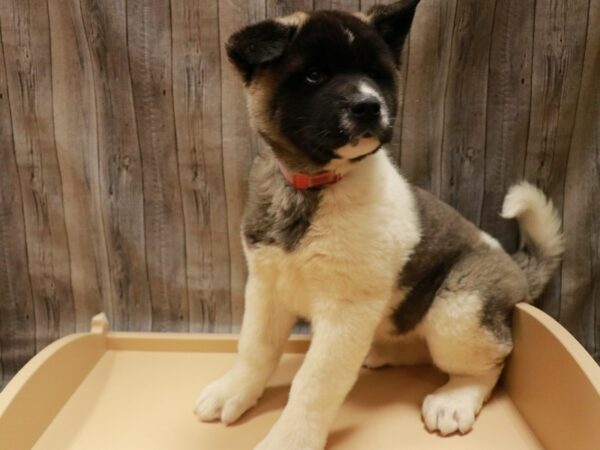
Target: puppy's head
x,y
323,86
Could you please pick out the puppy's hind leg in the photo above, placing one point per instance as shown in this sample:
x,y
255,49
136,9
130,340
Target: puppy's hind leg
x,y
472,355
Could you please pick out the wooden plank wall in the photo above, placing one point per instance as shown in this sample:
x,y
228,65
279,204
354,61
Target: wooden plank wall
x,y
124,147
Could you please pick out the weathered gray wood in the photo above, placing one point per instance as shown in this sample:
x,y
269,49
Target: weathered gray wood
x,y
580,289
342,5
508,106
559,36
26,36
197,96
17,321
365,5
125,146
422,117
394,148
278,8
120,165
240,144
77,150
463,147
149,43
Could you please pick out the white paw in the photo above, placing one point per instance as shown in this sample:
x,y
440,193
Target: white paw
x,y
226,399
449,412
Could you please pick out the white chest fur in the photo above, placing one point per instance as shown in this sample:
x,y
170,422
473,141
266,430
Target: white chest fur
x,y
362,234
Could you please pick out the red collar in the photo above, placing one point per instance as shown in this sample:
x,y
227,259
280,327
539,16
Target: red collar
x,y
306,181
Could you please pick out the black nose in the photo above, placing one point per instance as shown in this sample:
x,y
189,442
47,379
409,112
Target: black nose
x,y
365,108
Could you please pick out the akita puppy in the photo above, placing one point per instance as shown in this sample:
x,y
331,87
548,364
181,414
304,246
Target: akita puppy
x,y
332,232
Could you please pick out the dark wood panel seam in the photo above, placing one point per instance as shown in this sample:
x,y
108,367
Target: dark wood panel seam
x,y
570,146
486,109
33,313
137,133
401,127
60,175
185,255
99,190
587,25
223,165
530,90
441,155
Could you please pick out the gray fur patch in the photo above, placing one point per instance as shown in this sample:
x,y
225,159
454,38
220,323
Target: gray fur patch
x,y
445,236
498,282
452,257
276,213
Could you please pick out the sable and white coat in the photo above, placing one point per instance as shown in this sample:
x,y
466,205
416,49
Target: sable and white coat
x,y
386,273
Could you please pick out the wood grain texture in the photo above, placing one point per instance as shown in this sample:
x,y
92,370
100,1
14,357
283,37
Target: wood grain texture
x,y
508,107
240,144
423,112
74,114
197,102
17,318
342,5
558,48
26,43
120,165
125,147
580,287
150,52
463,138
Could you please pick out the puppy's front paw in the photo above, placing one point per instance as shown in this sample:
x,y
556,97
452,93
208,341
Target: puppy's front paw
x,y
449,412
226,399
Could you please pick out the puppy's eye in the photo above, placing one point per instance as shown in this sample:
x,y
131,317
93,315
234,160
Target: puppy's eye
x,y
315,77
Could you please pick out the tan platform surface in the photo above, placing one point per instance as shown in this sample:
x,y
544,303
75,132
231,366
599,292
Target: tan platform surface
x,y
135,391
143,400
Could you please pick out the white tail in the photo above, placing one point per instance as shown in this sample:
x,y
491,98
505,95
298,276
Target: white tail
x,y
542,242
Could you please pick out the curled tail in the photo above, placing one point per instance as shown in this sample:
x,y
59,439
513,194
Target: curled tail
x,y
542,243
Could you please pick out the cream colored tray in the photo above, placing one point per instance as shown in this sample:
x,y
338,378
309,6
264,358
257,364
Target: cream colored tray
x,y
111,391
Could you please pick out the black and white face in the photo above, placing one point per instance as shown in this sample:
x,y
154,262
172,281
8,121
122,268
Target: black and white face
x,y
323,86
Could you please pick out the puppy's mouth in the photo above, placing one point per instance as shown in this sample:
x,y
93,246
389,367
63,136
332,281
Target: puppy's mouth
x,y
354,141
359,146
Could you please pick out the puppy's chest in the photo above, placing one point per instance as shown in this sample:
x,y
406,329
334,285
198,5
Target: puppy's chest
x,y
352,248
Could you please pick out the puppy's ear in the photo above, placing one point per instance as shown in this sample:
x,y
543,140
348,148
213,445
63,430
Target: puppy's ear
x,y
257,45
393,22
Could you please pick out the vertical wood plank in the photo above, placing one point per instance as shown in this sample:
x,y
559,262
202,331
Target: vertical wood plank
x,y
119,164
149,42
17,326
25,30
508,106
340,5
394,148
426,80
197,96
77,149
240,144
560,29
278,8
580,288
365,5
125,147
463,150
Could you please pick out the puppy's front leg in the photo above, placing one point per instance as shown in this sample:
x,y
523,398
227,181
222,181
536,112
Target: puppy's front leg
x,y
342,335
265,330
